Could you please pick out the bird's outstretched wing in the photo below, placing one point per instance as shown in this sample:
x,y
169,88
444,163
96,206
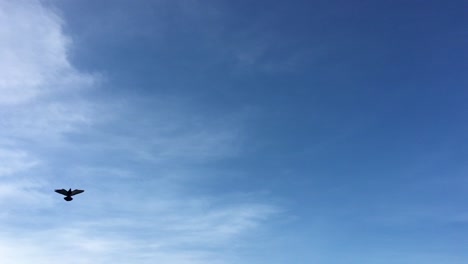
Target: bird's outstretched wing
x,y
76,191
62,191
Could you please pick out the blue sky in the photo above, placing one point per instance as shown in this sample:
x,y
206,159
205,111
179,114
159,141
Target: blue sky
x,y
222,132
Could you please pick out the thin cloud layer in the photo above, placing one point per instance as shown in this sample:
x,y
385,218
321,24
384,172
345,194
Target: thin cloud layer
x,y
34,72
14,161
54,134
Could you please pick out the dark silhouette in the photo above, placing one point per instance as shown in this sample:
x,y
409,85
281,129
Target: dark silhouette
x,y
68,194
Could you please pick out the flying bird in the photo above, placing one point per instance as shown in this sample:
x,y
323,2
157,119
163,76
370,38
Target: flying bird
x,y
68,194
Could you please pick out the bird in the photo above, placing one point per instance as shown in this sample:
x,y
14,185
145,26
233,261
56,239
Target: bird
x,y
68,194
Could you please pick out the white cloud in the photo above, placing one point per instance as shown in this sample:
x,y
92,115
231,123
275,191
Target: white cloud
x,y
217,227
36,77
39,100
44,121
167,130
34,54
13,161
198,235
15,187
41,106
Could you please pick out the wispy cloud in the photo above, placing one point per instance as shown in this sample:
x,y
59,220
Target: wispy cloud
x,y
13,161
166,130
188,233
34,72
53,132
